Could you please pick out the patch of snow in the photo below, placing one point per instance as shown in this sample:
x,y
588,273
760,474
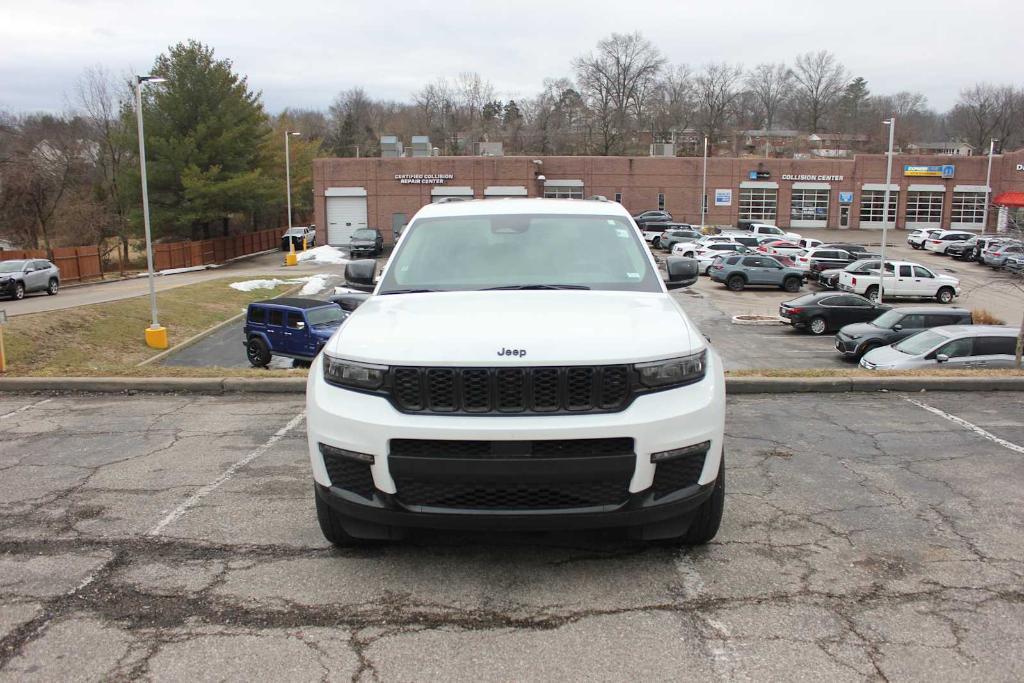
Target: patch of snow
x,y
347,290
314,285
324,254
250,285
175,271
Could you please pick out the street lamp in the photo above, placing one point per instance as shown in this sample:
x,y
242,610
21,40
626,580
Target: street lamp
x,y
891,122
704,185
988,184
288,173
156,336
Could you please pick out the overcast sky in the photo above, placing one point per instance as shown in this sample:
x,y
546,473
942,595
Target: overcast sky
x,y
301,54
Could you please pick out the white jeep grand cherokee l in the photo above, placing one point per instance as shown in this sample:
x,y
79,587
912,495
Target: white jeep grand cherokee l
x,y
503,377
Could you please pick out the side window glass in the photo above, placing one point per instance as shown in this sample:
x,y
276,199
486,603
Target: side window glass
x,y
904,271
912,321
957,348
921,272
992,346
293,320
275,317
257,315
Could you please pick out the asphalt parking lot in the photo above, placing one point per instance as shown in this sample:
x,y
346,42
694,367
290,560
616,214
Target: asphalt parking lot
x,y
173,537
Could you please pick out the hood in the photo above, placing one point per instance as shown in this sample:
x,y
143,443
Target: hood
x,y
362,242
325,331
857,330
885,356
537,327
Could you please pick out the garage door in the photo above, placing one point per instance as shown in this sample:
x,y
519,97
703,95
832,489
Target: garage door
x,y
345,215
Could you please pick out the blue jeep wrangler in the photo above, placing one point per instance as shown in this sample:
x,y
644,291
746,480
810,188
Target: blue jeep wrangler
x,y
294,328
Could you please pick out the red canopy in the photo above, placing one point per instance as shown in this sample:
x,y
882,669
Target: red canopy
x,y
1015,199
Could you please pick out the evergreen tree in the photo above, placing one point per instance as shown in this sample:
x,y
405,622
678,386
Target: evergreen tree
x,y
205,136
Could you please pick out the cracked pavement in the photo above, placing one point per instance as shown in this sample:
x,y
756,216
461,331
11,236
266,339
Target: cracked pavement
x,y
864,538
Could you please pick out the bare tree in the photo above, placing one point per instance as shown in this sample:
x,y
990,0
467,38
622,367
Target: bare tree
x,y
987,111
674,103
103,100
616,80
771,85
717,90
819,82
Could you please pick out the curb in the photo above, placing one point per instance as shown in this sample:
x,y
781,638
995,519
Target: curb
x,y
297,385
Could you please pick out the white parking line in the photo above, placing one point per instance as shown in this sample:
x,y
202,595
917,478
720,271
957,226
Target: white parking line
x,y
228,473
24,408
968,425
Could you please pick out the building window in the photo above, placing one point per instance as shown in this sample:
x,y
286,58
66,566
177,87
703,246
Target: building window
x,y
618,197
968,208
563,192
872,204
809,205
758,204
924,207
661,201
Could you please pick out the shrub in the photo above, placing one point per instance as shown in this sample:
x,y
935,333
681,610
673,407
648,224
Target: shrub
x,y
983,317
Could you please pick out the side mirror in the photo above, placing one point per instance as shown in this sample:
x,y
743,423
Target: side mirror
x,y
897,327
300,325
942,358
682,272
359,274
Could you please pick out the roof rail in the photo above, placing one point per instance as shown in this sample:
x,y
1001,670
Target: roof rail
x,y
597,198
446,200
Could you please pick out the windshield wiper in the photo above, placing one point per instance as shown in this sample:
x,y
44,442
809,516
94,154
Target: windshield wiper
x,y
487,289
408,291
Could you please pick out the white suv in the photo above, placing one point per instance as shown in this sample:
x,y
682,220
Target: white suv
x,y
497,379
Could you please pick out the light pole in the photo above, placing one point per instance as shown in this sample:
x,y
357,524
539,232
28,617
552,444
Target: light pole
x,y
288,173
891,122
156,336
704,185
988,184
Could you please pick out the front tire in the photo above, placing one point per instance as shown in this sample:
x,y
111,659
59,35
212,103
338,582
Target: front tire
x,y
818,325
19,291
258,353
330,524
791,284
736,283
945,295
656,243
52,288
708,517
688,254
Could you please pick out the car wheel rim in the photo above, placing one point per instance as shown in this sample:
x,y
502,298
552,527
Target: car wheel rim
x,y
817,326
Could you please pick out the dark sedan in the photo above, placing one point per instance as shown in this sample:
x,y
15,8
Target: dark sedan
x,y
962,250
366,241
824,311
829,278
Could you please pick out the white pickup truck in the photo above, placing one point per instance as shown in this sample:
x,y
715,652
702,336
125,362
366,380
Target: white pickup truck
x,y
903,279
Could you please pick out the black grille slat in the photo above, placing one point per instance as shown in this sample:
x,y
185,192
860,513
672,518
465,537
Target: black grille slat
x,y
505,496
511,391
349,474
673,475
550,448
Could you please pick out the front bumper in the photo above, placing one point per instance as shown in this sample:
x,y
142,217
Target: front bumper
x,y
8,287
845,346
656,422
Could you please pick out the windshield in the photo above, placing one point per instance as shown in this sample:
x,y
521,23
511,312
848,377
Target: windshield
x,y
919,343
11,266
295,231
462,253
324,316
887,319
364,235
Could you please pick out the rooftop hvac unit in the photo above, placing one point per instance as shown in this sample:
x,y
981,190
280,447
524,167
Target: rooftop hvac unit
x,y
421,146
390,147
663,149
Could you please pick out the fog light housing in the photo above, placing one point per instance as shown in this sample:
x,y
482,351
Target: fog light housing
x,y
676,453
365,458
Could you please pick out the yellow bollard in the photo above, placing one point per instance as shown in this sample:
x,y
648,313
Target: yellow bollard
x,y
156,337
3,355
304,245
291,258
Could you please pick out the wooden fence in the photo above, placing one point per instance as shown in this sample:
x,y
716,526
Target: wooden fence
x,y
86,263
76,263
217,250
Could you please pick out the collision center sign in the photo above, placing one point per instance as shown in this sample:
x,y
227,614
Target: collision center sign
x,y
424,178
825,178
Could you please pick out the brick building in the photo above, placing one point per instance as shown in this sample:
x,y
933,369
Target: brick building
x,y
927,191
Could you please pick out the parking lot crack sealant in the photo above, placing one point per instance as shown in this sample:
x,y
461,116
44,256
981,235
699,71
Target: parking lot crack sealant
x,y
206,490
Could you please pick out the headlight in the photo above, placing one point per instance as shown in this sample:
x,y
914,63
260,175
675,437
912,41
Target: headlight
x,y
348,374
674,371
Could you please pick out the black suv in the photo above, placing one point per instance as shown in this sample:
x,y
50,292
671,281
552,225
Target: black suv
x,y
366,242
853,341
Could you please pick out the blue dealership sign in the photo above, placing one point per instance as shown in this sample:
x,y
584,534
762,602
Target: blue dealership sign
x,y
948,170
846,198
